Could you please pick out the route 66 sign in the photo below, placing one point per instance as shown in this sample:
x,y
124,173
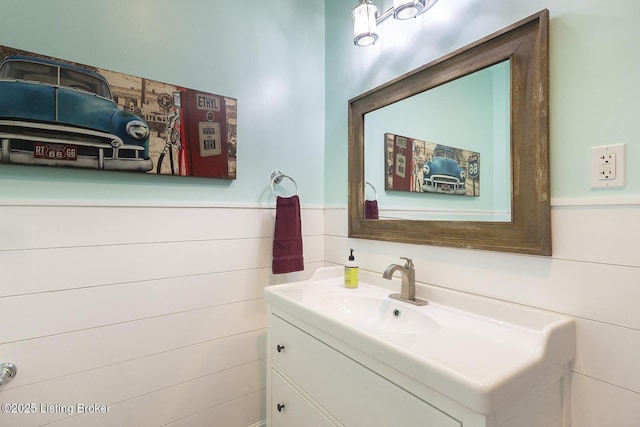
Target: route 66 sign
x,y
474,167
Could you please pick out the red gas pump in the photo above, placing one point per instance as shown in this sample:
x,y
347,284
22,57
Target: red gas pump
x,y
203,129
403,164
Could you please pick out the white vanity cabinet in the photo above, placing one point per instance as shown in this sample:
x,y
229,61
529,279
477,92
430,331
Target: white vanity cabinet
x,y
357,358
314,384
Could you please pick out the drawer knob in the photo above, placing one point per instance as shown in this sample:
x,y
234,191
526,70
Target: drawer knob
x,y
279,348
280,407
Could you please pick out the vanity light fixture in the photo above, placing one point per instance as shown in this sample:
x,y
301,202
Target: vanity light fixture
x,y
365,17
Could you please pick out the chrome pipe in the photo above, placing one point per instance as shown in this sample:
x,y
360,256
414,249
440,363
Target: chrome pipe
x,y
7,372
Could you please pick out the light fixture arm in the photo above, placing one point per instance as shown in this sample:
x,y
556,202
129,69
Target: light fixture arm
x,y
384,15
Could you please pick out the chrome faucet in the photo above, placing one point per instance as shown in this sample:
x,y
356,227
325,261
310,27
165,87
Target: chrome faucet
x,y
408,288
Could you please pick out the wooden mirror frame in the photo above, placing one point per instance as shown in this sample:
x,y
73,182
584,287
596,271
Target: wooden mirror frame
x,y
526,45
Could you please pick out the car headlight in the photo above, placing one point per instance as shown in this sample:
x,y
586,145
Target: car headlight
x,y
463,174
138,129
427,169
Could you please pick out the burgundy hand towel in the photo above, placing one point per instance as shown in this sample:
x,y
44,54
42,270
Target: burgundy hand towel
x,y
287,236
371,209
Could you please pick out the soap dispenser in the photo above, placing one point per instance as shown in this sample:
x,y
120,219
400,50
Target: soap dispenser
x,y
351,272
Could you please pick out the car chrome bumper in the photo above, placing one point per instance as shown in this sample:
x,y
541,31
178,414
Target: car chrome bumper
x,y
435,185
85,162
103,155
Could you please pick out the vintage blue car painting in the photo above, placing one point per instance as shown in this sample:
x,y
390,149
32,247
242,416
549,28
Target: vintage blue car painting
x,y
443,173
58,114
419,166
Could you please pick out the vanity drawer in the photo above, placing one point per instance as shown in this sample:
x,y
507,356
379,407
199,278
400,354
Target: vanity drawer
x,y
347,390
289,407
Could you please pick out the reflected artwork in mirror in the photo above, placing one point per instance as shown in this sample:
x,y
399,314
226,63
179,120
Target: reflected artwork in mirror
x,y
488,100
425,167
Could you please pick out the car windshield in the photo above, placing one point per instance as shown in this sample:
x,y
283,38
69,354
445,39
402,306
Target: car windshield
x,y
85,82
45,73
446,153
31,71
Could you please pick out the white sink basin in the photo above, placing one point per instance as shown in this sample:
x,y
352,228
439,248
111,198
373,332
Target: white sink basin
x,y
378,314
480,352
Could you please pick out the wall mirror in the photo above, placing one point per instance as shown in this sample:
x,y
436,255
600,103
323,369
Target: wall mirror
x,y
490,98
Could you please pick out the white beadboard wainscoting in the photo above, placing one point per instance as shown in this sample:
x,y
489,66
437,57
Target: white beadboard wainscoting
x,y
157,311
593,276
153,313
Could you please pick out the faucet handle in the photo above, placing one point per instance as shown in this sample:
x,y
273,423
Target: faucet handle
x,y
408,264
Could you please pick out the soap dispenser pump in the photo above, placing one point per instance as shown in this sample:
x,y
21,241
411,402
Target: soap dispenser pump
x,y
351,272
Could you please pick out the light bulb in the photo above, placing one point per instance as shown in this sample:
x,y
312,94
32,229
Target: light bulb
x,y
406,9
364,24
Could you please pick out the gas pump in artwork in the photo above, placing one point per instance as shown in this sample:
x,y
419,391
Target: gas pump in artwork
x,y
400,164
207,128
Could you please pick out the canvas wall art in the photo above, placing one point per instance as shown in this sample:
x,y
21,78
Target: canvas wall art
x,y
425,167
62,114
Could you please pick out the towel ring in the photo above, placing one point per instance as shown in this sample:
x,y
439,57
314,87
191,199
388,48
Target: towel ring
x,y
276,178
375,193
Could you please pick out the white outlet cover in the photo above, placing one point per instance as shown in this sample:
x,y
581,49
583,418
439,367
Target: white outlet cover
x,y
596,166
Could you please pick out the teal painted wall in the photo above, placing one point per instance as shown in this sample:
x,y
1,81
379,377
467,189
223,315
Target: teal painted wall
x,y
594,89
293,83
270,56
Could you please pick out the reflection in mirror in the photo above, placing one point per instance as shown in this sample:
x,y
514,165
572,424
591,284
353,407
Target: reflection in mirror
x,y
513,211
431,144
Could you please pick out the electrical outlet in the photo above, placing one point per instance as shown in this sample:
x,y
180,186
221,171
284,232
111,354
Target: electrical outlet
x,y
608,166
